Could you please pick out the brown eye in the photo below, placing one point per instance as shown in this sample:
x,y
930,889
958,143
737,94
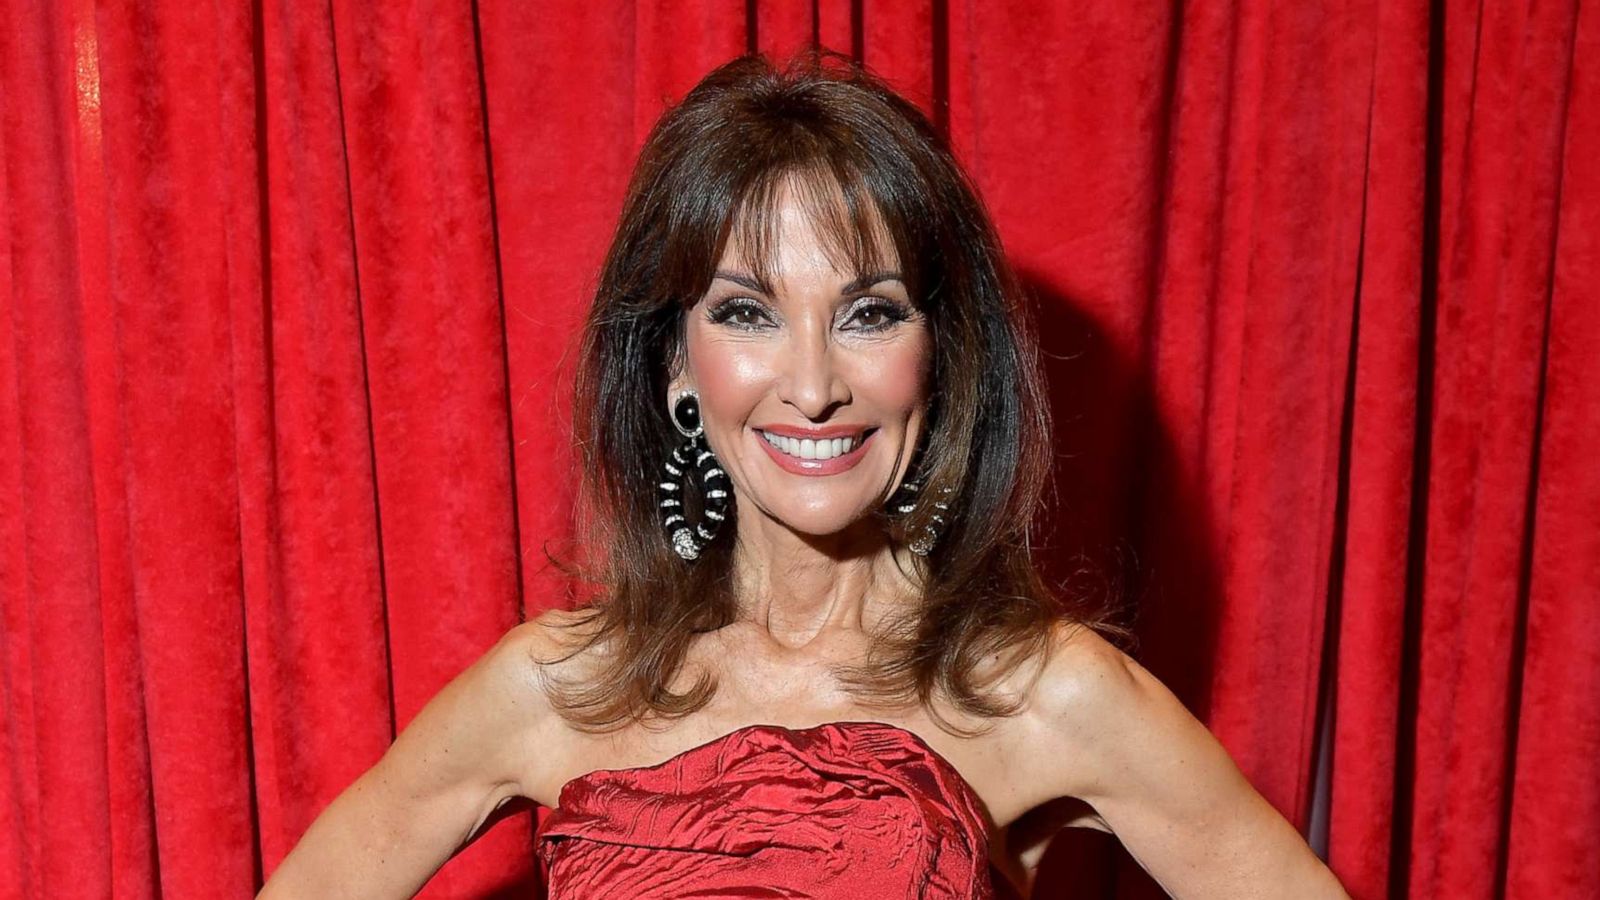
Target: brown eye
x,y
739,312
879,316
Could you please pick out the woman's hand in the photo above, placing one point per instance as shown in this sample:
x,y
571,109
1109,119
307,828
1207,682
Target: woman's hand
x,y
461,757
1116,738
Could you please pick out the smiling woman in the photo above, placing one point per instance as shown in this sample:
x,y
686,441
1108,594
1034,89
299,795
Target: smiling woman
x,y
813,440
792,370
801,251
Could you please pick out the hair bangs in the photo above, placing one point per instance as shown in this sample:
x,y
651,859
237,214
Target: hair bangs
x,y
851,232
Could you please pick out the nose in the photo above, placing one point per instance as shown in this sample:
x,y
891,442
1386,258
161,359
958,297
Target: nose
x,y
811,381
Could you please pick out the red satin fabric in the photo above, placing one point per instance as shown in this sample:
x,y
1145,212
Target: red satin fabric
x,y
860,810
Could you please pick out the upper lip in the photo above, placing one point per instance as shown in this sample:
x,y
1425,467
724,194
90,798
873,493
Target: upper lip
x,y
816,434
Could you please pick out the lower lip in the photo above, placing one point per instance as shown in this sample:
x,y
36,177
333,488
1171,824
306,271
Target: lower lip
x,y
799,466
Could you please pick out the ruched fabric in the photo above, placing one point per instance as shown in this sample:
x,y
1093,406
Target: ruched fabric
x,y
862,810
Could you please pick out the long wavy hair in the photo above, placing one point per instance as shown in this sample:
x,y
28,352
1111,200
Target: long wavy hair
x,y
712,164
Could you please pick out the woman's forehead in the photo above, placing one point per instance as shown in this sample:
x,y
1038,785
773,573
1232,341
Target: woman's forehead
x,y
812,221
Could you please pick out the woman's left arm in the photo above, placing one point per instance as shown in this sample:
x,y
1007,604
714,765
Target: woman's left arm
x,y
1162,783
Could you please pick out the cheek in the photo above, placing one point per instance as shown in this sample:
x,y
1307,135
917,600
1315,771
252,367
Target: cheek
x,y
894,375
731,375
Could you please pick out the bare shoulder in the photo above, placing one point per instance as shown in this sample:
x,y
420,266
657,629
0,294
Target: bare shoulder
x,y
1087,680
556,647
554,637
482,727
1085,668
1158,779
1097,706
1076,691
555,643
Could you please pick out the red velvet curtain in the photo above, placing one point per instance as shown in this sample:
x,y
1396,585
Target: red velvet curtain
x,y
289,293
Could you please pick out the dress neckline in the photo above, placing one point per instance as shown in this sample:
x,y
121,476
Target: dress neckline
x,y
916,740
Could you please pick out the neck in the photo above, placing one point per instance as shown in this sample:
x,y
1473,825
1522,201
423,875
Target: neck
x,y
798,588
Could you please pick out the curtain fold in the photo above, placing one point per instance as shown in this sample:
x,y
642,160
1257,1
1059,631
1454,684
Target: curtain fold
x,y
290,297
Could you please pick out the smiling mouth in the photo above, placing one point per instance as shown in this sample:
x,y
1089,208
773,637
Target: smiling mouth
x,y
808,448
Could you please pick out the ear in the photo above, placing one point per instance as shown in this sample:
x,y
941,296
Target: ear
x,y
678,372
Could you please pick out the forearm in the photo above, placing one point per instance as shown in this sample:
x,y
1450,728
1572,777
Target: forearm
x,y
1265,858
354,849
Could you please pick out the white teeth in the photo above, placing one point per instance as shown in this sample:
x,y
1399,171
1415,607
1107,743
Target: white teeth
x,y
808,448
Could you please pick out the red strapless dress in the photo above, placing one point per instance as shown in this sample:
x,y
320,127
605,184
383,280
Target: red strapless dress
x,y
859,810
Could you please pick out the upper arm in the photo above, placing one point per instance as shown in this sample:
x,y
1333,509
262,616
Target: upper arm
x,y
467,749
1163,784
461,756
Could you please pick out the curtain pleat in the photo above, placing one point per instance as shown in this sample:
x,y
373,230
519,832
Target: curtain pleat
x,y
1370,590
1547,826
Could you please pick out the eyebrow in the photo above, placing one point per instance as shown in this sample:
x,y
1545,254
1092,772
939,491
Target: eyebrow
x,y
860,283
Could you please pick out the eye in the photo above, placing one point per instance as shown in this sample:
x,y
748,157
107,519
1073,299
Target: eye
x,y
877,315
740,312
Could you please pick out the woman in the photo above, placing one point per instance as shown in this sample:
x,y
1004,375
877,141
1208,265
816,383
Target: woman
x,y
819,661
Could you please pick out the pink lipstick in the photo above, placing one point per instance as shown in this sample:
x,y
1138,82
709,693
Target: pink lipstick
x,y
798,465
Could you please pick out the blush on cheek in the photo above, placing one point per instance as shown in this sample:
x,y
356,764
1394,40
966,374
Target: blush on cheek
x,y
898,375
732,376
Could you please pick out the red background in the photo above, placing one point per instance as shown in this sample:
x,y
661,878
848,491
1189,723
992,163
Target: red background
x,y
289,293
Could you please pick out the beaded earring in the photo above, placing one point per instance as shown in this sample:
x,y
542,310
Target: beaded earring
x,y
905,500
694,453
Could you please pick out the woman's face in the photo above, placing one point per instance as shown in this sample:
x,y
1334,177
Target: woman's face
x,y
813,389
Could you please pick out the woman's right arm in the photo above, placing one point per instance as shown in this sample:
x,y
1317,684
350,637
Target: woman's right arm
x,y
463,755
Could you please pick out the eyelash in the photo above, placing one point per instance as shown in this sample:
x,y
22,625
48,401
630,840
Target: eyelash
x,y
892,312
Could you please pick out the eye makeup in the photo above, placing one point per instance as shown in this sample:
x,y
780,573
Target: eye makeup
x,y
726,311
735,311
890,313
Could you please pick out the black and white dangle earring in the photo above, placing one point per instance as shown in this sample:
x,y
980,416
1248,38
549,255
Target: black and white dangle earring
x,y
905,501
688,539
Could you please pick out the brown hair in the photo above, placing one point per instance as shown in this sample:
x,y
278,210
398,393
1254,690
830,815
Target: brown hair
x,y
711,164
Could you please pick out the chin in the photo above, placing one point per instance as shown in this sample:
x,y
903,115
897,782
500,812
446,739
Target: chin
x,y
822,523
